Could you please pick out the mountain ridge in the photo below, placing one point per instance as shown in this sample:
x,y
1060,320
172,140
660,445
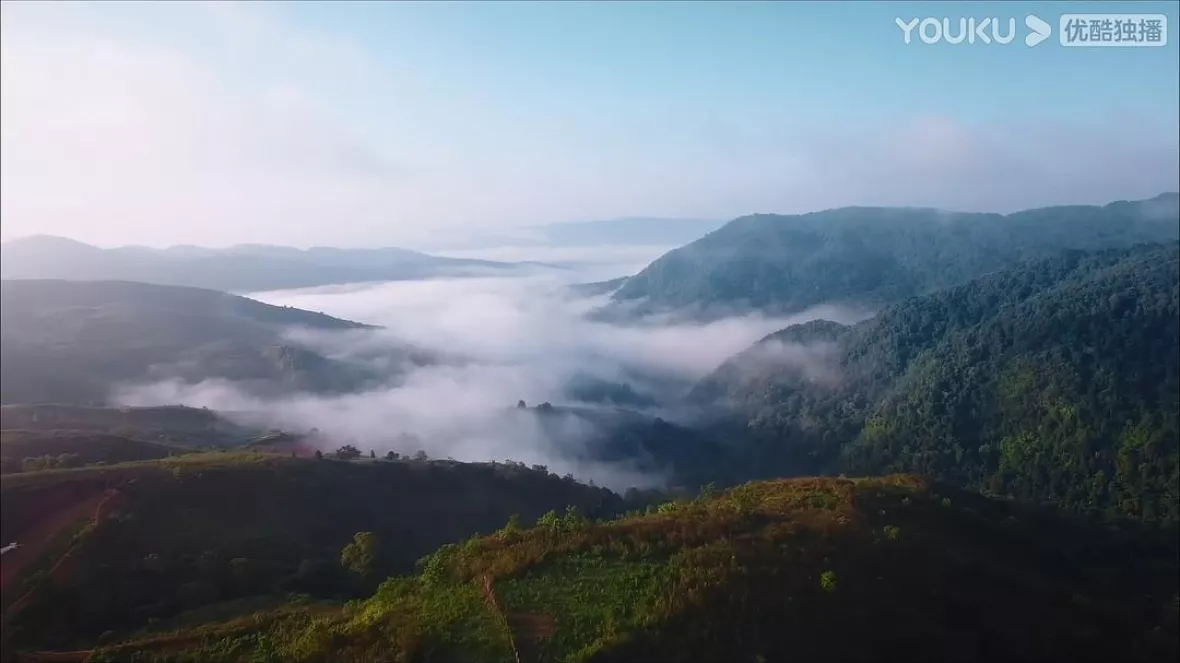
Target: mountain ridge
x,y
73,341
872,256
238,268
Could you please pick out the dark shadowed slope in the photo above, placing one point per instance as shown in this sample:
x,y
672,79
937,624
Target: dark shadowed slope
x,y
1056,380
71,342
873,256
32,450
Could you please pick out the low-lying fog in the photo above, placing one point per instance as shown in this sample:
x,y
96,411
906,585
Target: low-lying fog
x,y
514,338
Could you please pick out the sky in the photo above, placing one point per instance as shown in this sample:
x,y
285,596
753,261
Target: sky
x,y
363,124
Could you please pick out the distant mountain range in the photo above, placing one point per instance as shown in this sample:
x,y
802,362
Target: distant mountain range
x,y
872,256
241,268
72,342
627,231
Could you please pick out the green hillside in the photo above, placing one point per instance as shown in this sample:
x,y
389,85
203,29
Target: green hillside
x,y
872,256
1056,380
882,569
182,533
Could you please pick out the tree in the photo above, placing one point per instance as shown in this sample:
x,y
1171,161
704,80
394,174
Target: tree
x,y
420,455
360,556
319,455
520,405
511,531
372,454
348,452
391,455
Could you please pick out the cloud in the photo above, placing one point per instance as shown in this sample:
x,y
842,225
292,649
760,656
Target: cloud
x,y
218,123
512,339
155,143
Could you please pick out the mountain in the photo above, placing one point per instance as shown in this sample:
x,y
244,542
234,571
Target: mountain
x,y
72,341
884,569
1056,380
872,256
626,231
242,268
639,442
128,545
629,231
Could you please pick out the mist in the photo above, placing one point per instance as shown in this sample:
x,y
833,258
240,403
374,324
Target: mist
x,y
496,341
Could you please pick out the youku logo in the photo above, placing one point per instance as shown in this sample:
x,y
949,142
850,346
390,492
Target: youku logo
x,y
987,30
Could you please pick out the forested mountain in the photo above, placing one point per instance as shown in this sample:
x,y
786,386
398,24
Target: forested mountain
x,y
1056,380
885,569
242,268
72,341
868,256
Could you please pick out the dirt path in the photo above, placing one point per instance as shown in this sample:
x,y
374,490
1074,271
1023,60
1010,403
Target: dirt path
x,y
529,631
526,631
36,540
80,656
489,593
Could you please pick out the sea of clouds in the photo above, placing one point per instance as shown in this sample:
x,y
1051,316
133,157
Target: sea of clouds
x,y
500,340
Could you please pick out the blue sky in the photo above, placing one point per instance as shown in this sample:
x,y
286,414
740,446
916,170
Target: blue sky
x,y
357,123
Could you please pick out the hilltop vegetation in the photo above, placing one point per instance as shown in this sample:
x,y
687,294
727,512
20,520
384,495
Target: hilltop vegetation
x,y
72,342
174,425
1056,381
24,450
872,256
198,529
814,569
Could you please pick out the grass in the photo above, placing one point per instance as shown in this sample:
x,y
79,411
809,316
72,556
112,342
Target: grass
x,y
813,569
591,599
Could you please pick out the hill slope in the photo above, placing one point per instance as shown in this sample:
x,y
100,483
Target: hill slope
x,y
26,450
820,570
1056,380
243,268
194,530
70,341
868,256
173,425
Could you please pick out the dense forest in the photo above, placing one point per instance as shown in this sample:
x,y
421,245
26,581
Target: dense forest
x,y
1056,380
872,256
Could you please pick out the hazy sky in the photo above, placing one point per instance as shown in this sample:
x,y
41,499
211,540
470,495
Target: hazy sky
x,y
367,123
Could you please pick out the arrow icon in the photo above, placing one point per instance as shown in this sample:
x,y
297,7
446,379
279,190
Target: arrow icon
x,y
1039,30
